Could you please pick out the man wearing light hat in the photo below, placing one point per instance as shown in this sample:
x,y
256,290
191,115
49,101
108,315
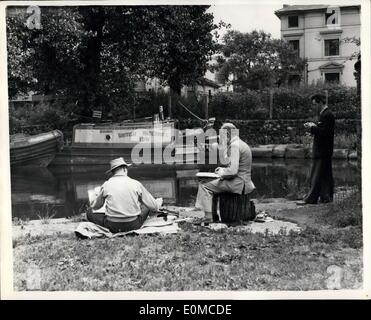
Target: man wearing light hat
x,y
128,203
235,177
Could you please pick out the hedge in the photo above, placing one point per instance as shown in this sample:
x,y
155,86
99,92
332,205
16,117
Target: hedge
x,y
288,103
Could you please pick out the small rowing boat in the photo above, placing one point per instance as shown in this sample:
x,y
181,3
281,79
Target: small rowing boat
x,y
35,150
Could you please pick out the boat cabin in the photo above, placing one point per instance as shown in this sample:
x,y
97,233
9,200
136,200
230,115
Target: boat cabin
x,y
124,135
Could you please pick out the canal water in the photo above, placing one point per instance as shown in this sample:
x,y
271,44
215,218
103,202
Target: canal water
x,y
62,192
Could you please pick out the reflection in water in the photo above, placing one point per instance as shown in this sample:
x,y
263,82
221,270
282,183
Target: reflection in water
x,y
37,192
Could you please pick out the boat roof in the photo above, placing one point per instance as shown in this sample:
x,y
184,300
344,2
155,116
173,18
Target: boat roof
x,y
114,125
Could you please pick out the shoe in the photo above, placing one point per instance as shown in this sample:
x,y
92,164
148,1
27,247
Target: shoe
x,y
303,203
205,222
263,217
201,222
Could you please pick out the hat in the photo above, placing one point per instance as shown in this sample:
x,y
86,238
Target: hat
x,y
119,162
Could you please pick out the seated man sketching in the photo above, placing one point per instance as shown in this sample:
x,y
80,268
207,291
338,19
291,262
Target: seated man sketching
x,y
234,178
128,203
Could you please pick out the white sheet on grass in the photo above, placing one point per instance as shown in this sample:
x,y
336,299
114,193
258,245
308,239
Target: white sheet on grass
x,y
151,225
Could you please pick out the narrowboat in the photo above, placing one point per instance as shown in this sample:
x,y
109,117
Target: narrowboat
x,y
141,142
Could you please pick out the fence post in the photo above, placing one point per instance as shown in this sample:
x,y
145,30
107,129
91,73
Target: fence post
x,y
169,103
270,104
206,106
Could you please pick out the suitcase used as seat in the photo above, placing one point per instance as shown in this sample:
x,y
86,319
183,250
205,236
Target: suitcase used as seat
x,y
233,207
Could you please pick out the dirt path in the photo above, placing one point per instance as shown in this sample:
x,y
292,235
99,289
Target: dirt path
x,y
289,211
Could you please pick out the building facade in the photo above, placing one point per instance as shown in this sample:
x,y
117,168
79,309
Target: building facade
x,y
210,84
327,37
204,86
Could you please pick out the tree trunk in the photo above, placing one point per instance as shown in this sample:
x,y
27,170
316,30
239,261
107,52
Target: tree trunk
x,y
174,92
94,19
176,88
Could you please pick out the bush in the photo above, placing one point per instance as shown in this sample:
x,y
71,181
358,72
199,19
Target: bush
x,y
344,102
246,105
292,103
346,211
288,103
33,118
148,104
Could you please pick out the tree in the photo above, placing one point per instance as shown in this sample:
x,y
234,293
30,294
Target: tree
x,y
43,60
185,44
256,60
95,54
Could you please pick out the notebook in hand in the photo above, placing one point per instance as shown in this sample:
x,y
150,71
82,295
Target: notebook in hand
x,y
92,194
207,175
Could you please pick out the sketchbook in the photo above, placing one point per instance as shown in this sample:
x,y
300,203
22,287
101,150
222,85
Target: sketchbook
x,y
92,194
207,175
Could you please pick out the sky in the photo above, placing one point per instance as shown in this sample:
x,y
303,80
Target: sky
x,y
259,15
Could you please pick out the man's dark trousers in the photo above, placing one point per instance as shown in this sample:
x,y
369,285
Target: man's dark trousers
x,y
321,181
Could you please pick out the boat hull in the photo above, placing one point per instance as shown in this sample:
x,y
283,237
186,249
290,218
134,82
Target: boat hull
x,y
35,151
73,156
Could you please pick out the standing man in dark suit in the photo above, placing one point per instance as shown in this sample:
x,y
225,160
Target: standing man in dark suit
x,y
321,179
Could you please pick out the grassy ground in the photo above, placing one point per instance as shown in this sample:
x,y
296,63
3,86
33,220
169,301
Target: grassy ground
x,y
201,259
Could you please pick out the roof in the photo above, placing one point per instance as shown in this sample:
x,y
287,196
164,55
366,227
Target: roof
x,y
287,9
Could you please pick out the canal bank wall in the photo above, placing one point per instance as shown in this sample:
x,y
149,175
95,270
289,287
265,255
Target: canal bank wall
x,y
286,131
297,151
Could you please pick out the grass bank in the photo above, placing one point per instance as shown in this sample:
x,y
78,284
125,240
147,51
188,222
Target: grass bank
x,y
201,259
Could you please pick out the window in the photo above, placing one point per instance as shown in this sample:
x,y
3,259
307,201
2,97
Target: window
x,y
295,45
332,47
332,77
293,21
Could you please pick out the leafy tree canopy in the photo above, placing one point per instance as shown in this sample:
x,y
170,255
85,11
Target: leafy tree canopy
x,y
96,54
256,60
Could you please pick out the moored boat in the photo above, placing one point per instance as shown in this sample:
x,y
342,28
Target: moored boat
x,y
142,142
35,150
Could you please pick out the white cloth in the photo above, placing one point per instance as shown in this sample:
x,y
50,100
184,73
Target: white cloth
x,y
151,225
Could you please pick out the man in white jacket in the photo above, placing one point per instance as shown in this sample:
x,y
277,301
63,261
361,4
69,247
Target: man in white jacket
x,y
128,202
